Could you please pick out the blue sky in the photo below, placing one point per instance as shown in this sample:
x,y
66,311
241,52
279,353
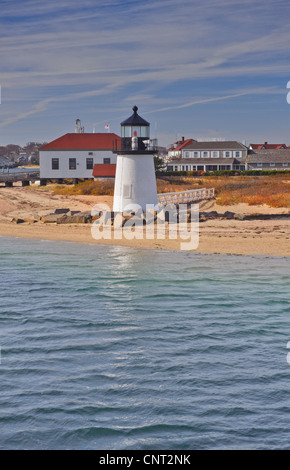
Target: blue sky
x,y
210,69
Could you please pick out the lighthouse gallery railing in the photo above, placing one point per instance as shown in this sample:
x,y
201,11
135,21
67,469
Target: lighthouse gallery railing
x,y
182,197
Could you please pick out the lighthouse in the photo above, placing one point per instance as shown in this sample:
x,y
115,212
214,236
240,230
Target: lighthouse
x,y
135,181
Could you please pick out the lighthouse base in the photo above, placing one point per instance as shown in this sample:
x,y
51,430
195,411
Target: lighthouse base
x,y
135,182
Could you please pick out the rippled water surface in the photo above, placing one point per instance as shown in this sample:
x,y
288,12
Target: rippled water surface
x,y
117,348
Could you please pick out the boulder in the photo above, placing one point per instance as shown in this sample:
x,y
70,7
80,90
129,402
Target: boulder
x,y
30,220
51,218
229,215
17,220
239,217
61,211
78,218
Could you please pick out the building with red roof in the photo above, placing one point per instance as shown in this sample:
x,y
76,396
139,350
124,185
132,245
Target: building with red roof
x,y
266,146
176,148
103,171
74,155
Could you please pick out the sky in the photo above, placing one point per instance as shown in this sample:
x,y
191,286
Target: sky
x,y
211,69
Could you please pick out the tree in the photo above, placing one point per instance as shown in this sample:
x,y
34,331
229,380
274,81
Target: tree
x,y
158,163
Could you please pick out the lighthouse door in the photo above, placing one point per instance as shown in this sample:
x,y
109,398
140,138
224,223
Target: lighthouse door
x,y
127,191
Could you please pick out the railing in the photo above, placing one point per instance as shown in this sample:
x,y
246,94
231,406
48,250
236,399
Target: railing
x,y
182,197
18,176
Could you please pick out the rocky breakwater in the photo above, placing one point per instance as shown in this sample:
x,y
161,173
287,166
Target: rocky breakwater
x,y
67,216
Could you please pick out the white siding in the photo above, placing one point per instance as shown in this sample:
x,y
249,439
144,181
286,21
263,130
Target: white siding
x,y
46,156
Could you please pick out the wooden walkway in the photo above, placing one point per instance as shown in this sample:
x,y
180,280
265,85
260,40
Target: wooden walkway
x,y
183,197
25,178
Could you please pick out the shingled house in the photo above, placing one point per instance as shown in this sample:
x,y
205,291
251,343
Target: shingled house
x,y
210,156
271,159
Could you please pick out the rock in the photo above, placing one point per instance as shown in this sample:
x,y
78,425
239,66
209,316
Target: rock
x,y
61,211
239,217
17,220
30,220
78,218
212,215
50,218
229,215
69,213
137,218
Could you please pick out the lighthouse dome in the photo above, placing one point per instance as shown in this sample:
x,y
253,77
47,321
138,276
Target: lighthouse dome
x,y
135,125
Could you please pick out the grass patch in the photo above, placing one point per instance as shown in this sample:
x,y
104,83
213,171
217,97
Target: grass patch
x,y
272,190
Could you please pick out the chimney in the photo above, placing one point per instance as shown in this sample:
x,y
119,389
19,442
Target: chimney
x,y
265,143
182,139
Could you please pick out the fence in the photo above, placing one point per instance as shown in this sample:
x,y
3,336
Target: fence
x,y
183,197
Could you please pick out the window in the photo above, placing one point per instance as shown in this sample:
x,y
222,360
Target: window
x,y
215,154
285,164
127,191
176,168
272,164
205,154
72,163
237,154
195,155
170,168
106,161
194,167
227,154
90,163
55,163
91,153
211,167
186,154
259,164
186,168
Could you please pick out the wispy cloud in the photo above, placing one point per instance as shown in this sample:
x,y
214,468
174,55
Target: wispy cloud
x,y
66,51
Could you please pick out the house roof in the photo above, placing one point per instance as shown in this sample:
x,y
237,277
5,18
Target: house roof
x,y
267,156
216,145
104,170
181,144
267,146
85,141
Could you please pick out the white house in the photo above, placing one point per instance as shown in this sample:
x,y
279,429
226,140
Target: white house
x,y
74,155
210,156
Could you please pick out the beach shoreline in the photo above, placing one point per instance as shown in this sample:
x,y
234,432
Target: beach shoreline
x,y
216,236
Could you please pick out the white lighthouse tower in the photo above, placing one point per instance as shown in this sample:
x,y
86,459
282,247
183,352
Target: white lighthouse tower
x,y
135,181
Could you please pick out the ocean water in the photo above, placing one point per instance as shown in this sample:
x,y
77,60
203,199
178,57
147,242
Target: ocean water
x,y
119,348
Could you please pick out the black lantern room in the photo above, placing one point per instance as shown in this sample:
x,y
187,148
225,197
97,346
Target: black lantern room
x,y
133,127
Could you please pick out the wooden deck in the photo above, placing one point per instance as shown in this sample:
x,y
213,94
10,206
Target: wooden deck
x,y
8,179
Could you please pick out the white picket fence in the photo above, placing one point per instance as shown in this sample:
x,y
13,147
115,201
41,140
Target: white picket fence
x,y
182,197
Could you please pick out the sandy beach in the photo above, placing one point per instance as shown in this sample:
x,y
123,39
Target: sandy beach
x,y
239,237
